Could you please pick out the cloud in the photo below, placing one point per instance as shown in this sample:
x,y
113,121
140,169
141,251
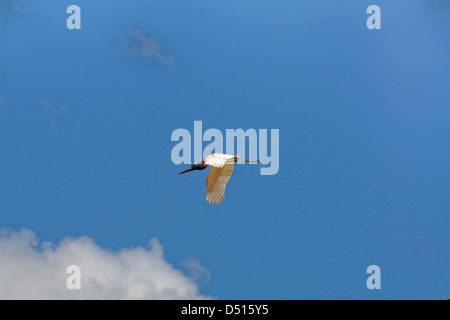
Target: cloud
x,y
52,113
438,4
8,6
30,269
196,270
444,2
137,44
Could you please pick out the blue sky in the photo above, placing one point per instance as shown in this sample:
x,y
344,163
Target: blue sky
x,y
86,120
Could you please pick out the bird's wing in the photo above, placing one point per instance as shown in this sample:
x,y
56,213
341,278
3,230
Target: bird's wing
x,y
218,159
216,182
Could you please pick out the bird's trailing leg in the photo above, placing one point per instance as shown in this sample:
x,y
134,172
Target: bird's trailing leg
x,y
248,160
237,159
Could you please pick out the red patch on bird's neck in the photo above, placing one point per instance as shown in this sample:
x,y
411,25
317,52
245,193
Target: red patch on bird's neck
x,y
204,164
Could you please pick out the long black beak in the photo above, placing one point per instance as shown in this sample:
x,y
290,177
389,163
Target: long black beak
x,y
187,170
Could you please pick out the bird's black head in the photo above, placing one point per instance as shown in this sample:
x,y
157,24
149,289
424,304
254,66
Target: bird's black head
x,y
200,166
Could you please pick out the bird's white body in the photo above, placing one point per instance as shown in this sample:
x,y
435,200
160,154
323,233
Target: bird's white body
x,y
219,160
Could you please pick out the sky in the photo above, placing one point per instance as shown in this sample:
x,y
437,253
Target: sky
x,y
87,179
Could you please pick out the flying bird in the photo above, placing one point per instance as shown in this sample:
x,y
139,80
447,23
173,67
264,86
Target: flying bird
x,y
219,174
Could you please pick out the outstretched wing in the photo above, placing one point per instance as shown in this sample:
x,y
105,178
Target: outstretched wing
x,y
219,160
216,182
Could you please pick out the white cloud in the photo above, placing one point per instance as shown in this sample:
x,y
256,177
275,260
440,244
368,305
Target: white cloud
x,y
52,113
196,270
8,6
438,4
30,269
137,44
